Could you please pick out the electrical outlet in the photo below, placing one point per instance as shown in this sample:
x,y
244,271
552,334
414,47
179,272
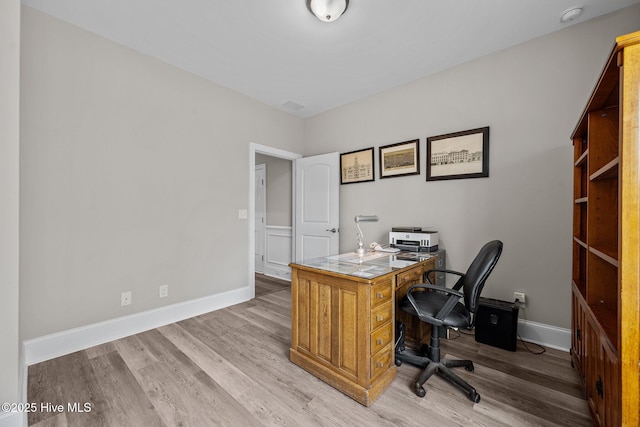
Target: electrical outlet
x,y
522,299
125,298
164,291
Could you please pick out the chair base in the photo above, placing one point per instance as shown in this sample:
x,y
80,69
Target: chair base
x,y
442,368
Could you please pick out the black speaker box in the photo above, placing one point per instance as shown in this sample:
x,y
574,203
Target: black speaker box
x,y
497,323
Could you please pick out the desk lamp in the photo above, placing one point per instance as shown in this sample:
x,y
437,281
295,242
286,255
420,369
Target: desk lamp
x,y
363,218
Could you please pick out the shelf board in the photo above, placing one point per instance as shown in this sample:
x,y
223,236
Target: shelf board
x,y
582,158
608,171
604,256
580,287
581,200
580,242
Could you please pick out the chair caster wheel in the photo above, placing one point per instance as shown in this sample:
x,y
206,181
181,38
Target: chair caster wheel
x,y
420,391
469,367
474,397
398,362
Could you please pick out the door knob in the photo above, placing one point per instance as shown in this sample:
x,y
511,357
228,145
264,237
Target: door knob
x,y
333,230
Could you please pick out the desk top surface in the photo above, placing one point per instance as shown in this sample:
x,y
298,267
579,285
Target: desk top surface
x,y
368,266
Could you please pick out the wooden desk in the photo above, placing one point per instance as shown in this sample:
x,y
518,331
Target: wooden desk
x,y
342,318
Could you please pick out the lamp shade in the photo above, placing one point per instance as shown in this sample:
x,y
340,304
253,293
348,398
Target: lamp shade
x,y
366,218
327,10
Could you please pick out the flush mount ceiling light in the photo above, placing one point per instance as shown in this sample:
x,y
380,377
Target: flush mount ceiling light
x,y
570,14
327,10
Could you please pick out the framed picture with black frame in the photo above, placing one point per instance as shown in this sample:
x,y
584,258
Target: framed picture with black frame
x,y
357,166
458,155
400,159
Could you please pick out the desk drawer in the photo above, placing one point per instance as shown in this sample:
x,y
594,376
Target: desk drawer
x,y
381,362
381,338
381,293
410,277
381,315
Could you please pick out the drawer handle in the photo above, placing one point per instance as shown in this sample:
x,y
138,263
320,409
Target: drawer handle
x,y
379,341
379,295
380,364
379,318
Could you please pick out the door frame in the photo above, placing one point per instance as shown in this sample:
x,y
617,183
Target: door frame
x,y
261,236
273,152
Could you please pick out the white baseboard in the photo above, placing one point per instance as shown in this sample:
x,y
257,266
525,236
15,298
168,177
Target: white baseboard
x,y
23,380
55,345
546,335
280,275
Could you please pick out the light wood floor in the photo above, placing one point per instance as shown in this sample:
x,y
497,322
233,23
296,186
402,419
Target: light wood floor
x,y
267,284
230,368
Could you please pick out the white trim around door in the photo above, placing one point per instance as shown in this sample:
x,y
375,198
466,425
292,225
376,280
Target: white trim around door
x,y
269,151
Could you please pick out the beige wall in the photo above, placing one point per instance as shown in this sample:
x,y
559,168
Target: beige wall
x,y
132,172
9,204
278,189
531,96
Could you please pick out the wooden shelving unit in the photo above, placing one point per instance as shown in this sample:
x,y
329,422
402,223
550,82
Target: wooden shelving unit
x,y
605,302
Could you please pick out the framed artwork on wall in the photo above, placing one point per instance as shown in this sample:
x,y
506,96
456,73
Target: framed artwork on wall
x,y
400,159
356,166
458,155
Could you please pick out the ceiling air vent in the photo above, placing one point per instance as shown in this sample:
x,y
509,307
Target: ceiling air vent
x,y
294,106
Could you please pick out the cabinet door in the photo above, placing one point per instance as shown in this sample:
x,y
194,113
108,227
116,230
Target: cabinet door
x,y
329,327
603,377
346,334
578,340
594,378
611,386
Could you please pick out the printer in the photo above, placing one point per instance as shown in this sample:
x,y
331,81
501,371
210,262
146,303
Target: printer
x,y
413,239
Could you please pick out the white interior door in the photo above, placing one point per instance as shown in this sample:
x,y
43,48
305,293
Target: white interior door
x,y
317,210
260,216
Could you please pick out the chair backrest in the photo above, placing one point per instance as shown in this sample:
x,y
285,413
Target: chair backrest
x,y
478,272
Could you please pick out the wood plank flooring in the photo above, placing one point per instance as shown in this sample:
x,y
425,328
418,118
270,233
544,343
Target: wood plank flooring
x,y
230,368
267,284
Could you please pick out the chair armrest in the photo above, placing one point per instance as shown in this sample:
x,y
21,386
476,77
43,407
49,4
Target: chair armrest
x,y
454,297
425,275
436,288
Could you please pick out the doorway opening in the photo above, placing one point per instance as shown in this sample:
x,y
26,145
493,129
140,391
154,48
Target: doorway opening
x,y
257,150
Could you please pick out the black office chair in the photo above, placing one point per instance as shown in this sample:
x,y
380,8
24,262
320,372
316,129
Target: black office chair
x,y
441,306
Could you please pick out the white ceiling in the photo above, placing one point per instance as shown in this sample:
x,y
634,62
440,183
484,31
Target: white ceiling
x,y
277,52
